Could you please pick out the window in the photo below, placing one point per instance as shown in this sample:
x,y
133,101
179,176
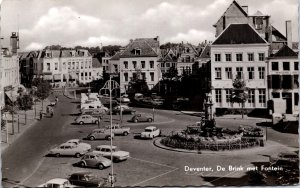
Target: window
x,y
143,64
143,75
250,57
275,66
261,56
126,64
228,95
126,76
151,64
162,65
261,72
296,99
138,52
228,72
218,95
275,95
251,98
258,21
296,66
217,57
296,82
152,76
239,72
286,66
134,64
64,65
77,65
167,64
228,57
218,73
239,57
250,73
48,66
262,96
56,66
116,68
69,65
81,65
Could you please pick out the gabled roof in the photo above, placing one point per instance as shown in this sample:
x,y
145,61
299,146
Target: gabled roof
x,y
206,52
238,6
278,35
285,51
96,63
116,56
147,47
239,34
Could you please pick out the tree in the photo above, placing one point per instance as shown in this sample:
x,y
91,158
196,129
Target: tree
x,y
25,102
171,73
12,109
43,90
239,93
137,85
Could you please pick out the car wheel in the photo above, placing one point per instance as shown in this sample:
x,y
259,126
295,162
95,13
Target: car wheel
x,y
81,123
149,120
96,122
125,133
57,155
135,121
108,137
100,166
82,164
92,138
77,155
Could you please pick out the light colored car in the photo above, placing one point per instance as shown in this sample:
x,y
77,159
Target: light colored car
x,y
285,156
98,112
118,155
86,119
68,149
124,99
93,159
150,132
119,130
80,144
57,183
100,134
125,110
157,102
142,118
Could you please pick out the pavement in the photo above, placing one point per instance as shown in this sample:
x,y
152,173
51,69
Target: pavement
x,y
17,127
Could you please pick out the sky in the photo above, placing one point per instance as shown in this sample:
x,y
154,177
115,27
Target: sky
x,y
114,22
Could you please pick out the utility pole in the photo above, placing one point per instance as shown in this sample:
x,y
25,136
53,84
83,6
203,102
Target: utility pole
x,y
111,156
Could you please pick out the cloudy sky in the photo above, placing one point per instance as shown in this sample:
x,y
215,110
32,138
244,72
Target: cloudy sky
x,y
92,22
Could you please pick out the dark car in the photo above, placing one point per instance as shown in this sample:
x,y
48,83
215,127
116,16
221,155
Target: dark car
x,y
87,179
142,118
125,110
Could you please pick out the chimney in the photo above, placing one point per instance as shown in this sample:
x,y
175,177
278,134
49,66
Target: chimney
x,y
288,25
14,42
245,8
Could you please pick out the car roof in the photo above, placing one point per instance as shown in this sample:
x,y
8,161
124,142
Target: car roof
x,y
74,140
81,173
150,127
98,130
288,153
68,144
57,181
106,146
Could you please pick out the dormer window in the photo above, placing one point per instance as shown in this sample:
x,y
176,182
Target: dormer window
x,y
48,54
137,51
258,22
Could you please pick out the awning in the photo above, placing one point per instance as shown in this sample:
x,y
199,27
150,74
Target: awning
x,y
12,95
73,76
57,77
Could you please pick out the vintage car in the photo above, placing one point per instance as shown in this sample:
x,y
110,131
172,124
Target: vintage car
x,y
80,144
157,102
107,150
150,132
86,119
100,134
98,112
87,179
285,156
125,110
123,99
57,183
95,160
142,118
68,149
119,130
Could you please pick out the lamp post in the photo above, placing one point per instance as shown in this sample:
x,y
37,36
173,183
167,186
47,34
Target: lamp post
x,y
111,156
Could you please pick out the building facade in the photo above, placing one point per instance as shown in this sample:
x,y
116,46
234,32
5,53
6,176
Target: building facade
x,y
239,52
283,75
140,57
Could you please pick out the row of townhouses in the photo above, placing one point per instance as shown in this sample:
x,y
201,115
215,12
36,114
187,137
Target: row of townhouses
x,y
246,46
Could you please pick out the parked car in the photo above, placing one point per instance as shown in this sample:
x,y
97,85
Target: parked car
x,y
53,103
157,102
80,144
87,179
123,99
69,149
93,159
118,155
57,183
125,110
147,100
85,119
285,156
138,97
99,112
119,130
100,134
150,132
142,118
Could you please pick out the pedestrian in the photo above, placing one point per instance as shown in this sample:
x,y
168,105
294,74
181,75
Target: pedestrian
x,y
41,115
56,99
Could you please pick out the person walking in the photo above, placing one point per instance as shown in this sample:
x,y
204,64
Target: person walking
x,y
41,115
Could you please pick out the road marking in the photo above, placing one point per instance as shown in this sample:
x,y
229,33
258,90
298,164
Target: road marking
x,y
33,172
153,163
155,177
